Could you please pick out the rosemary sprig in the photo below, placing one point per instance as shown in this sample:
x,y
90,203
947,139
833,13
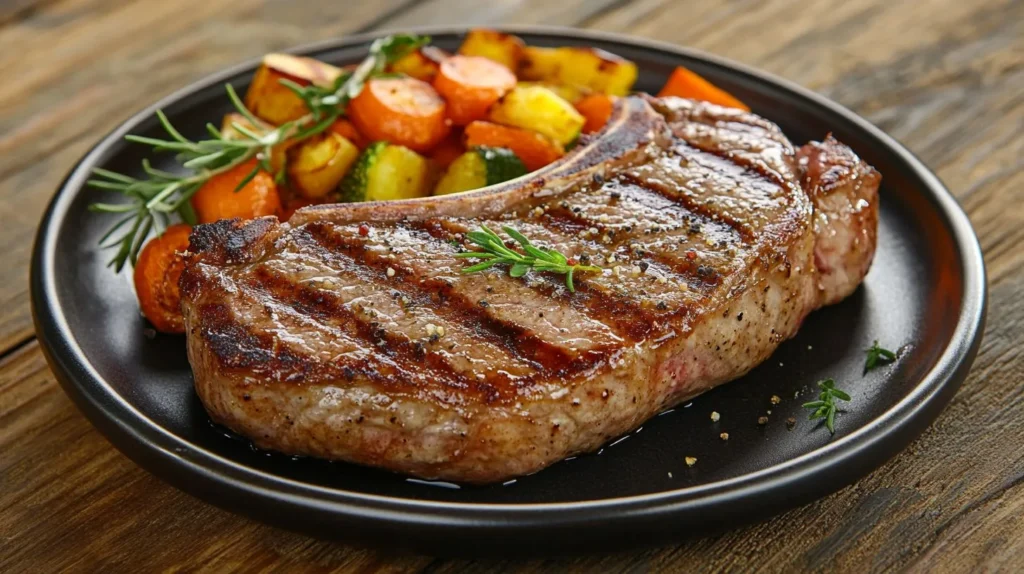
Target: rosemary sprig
x,y
877,356
496,253
825,406
161,194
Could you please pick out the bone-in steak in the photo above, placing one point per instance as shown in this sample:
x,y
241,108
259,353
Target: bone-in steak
x,y
717,238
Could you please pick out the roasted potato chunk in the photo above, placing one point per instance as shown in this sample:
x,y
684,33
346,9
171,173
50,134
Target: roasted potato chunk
x,y
541,110
421,64
317,165
270,101
503,48
571,94
590,68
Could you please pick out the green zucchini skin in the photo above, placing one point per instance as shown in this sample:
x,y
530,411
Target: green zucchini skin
x,y
353,186
479,167
387,172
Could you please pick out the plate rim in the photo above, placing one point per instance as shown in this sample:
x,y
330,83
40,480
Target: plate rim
x,y
130,429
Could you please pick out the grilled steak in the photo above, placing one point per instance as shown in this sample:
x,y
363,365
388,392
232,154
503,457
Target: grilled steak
x,y
350,333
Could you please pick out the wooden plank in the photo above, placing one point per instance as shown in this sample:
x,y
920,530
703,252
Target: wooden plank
x,y
945,77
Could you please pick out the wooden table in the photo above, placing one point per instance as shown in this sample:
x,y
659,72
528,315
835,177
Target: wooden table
x,y
946,77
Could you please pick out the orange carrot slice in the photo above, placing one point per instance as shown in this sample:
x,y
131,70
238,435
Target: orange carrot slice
x,y
403,111
535,150
597,108
471,84
449,149
687,84
217,199
345,129
156,279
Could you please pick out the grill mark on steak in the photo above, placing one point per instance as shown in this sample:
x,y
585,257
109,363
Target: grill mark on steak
x,y
629,239
236,346
547,360
327,309
623,314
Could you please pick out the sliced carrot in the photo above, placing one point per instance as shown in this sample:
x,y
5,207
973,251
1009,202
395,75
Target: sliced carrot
x,y
403,111
535,150
449,149
471,84
217,199
687,84
156,279
597,108
345,129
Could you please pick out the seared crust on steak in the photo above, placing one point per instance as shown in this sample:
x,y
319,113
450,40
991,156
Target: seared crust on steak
x,y
312,338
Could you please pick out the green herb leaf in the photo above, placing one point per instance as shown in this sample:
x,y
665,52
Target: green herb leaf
x,y
825,406
494,252
877,356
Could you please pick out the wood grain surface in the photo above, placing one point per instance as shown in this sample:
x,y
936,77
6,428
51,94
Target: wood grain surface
x,y
946,77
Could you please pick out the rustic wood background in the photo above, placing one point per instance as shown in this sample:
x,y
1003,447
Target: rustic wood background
x,y
944,76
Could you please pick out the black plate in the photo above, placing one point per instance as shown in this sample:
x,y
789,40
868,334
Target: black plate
x,y
926,291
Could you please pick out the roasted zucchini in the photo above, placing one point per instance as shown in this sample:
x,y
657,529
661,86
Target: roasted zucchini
x,y
590,68
387,171
273,102
541,110
503,48
317,165
480,167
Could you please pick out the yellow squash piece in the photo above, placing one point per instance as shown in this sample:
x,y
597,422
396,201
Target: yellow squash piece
x,y
272,102
387,171
317,165
541,110
590,68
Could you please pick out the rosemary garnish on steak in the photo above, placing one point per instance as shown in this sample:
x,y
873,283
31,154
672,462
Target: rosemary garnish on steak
x,y
496,253
160,194
878,356
825,406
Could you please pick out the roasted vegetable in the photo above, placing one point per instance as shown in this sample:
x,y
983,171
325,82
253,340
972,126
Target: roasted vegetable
x,y
421,64
503,48
403,111
273,102
278,154
387,171
217,198
686,84
317,165
479,167
571,94
156,279
345,129
448,150
541,110
471,84
591,68
596,108
534,149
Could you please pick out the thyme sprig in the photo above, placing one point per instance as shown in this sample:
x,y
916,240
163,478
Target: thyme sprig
x,y
877,356
155,198
495,252
825,406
